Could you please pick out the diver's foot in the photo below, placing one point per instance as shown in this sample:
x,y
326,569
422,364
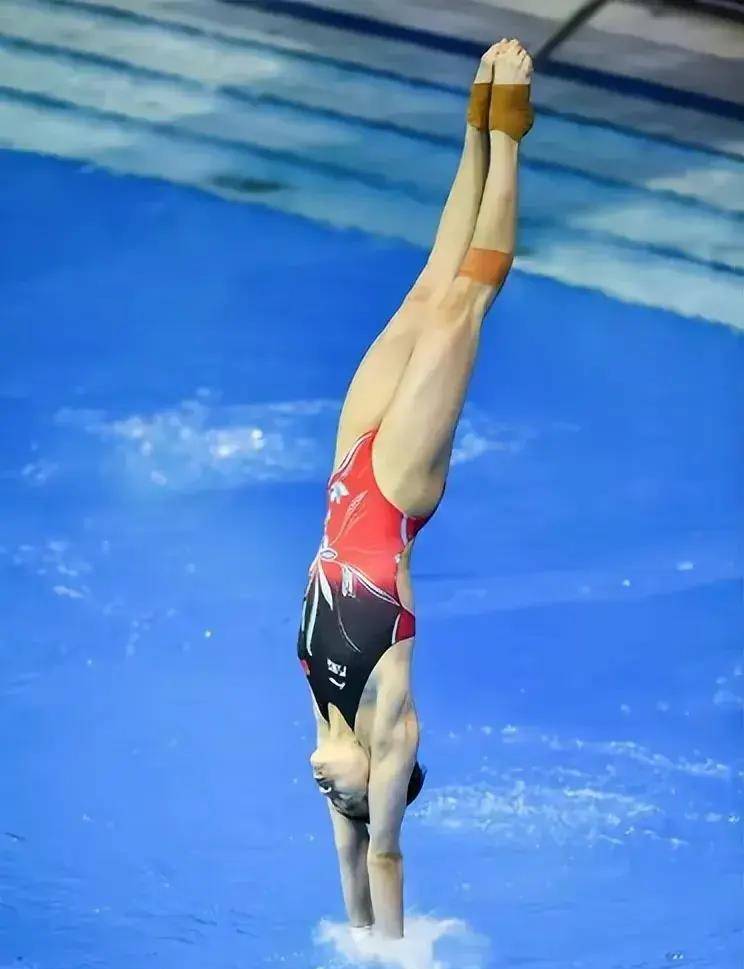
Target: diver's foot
x,y
510,111
511,63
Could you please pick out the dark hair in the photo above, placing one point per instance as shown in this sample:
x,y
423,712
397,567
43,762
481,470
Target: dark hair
x,y
357,809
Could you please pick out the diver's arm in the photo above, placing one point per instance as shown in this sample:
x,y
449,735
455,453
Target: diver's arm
x,y
352,840
391,763
352,843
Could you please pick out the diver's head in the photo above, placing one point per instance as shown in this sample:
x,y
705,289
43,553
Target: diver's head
x,y
341,771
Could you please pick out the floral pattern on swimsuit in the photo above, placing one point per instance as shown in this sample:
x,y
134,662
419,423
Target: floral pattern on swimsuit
x,y
351,611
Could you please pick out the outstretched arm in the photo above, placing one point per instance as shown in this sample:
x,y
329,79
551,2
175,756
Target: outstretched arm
x,y
352,845
393,757
352,842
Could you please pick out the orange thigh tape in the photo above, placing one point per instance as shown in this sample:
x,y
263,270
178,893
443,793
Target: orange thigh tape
x,y
487,266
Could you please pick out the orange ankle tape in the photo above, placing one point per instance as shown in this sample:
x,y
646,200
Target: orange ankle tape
x,y
487,266
480,95
510,110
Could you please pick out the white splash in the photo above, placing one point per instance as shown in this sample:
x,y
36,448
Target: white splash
x,y
429,943
729,699
544,810
624,749
729,692
50,560
477,435
38,472
200,443
67,592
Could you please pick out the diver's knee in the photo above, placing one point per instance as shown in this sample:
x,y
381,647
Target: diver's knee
x,y
462,302
384,855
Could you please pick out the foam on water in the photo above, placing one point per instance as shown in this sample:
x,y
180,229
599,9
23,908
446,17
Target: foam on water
x,y
627,749
200,444
531,813
584,793
429,943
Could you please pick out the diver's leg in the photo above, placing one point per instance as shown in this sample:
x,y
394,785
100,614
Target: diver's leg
x,y
414,442
463,202
378,375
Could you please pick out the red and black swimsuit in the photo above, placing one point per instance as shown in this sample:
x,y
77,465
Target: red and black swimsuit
x,y
351,612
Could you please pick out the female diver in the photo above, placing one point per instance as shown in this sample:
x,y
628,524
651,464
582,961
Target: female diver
x,y
393,450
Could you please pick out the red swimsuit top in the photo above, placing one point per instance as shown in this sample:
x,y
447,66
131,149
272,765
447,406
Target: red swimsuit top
x,y
365,534
352,612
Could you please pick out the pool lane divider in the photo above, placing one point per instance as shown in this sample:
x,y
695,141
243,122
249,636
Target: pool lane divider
x,y
108,11
419,37
175,132
245,96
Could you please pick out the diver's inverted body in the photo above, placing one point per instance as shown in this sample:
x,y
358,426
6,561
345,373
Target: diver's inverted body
x,y
392,457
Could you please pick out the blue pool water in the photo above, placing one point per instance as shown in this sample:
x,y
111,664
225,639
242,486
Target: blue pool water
x,y
200,243
170,403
